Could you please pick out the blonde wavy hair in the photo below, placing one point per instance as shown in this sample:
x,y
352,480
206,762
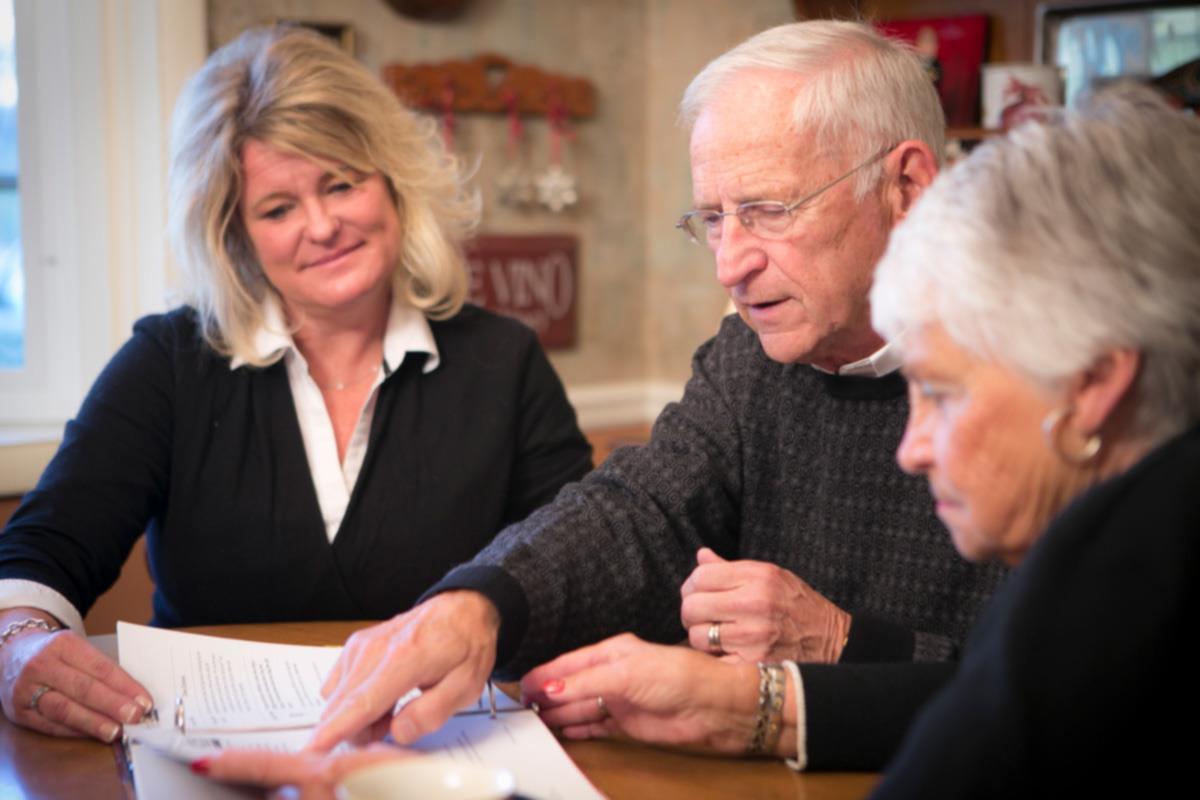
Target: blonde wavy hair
x,y
294,90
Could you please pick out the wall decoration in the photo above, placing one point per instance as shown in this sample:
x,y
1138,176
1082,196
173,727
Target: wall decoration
x,y
531,278
490,84
1105,40
514,185
1014,92
556,187
954,49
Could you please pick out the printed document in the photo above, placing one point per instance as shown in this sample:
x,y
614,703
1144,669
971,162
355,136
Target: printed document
x,y
211,693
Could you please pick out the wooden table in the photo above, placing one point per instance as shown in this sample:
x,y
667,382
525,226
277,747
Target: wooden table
x,y
37,766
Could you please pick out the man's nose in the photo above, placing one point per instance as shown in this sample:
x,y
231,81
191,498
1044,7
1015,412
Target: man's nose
x,y
739,253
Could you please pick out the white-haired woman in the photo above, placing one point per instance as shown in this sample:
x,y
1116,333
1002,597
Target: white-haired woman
x,y
1046,296
324,429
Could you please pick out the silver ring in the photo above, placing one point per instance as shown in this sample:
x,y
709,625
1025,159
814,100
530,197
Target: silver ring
x,y
600,704
37,695
714,638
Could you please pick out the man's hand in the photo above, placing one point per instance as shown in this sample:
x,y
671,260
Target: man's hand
x,y
59,684
764,612
446,647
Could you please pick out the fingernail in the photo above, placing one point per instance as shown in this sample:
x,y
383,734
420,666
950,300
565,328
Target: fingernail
x,y
131,712
200,766
145,702
553,687
109,732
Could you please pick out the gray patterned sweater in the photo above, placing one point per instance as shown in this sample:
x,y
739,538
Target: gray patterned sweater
x,y
759,460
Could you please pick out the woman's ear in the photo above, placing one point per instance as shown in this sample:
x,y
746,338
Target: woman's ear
x,y
914,167
1098,391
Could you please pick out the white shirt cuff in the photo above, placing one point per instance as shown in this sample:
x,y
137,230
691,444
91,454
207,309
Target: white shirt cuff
x,y
801,760
15,593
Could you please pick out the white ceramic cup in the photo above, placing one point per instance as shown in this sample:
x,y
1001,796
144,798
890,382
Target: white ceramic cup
x,y
426,778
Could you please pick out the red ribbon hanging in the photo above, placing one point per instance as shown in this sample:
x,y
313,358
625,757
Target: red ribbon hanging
x,y
560,129
514,124
448,120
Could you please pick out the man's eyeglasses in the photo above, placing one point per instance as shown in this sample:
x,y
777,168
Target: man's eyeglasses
x,y
766,219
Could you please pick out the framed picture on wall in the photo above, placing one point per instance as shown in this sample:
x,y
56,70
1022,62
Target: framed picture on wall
x,y
1095,42
953,49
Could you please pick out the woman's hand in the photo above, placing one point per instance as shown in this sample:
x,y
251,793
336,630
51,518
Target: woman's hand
x,y
59,684
445,647
653,693
308,776
764,612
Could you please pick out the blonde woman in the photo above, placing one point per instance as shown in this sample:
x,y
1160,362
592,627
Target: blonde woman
x,y
324,429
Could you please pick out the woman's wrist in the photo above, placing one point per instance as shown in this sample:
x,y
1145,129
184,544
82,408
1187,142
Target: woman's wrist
x,y
15,622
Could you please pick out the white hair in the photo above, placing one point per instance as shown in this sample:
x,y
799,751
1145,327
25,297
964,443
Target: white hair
x,y
862,91
1073,235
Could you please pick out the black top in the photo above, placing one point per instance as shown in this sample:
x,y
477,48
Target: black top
x,y
1078,680
210,462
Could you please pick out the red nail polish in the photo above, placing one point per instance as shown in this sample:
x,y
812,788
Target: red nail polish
x,y
200,766
553,687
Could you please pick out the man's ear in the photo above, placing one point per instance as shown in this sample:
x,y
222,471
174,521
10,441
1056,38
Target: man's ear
x,y
912,166
1097,392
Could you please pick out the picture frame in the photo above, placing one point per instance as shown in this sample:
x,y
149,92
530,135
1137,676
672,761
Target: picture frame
x,y
1094,42
954,49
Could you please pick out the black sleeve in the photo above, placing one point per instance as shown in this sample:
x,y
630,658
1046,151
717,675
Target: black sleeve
x,y
856,715
550,449
109,477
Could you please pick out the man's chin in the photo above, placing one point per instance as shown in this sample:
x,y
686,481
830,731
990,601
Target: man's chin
x,y
786,348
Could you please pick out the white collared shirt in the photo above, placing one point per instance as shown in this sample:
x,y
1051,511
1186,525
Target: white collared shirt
x,y
407,331
883,361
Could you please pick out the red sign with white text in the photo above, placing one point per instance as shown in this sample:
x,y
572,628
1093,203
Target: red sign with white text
x,y
531,278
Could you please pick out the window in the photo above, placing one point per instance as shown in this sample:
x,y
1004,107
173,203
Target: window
x,y
54,281
12,284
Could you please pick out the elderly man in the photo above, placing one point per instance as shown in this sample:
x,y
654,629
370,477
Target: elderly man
x,y
775,472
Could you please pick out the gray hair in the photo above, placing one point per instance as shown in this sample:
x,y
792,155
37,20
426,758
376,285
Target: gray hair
x,y
1071,236
296,91
862,91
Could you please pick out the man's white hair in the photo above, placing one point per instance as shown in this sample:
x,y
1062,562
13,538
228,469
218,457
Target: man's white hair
x,y
1067,238
862,92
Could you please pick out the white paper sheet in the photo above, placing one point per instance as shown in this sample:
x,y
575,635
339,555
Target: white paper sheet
x,y
239,694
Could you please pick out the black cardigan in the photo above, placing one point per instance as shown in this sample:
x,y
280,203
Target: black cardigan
x,y
210,462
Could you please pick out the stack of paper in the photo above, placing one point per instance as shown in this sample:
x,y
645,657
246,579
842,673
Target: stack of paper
x,y
211,693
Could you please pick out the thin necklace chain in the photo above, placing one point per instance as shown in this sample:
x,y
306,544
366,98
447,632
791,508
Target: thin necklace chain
x,y
339,386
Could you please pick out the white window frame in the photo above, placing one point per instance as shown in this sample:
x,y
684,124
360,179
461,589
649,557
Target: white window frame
x,y
63,216
97,81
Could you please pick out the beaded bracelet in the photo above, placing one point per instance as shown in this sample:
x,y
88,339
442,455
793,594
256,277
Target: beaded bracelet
x,y
768,725
13,628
